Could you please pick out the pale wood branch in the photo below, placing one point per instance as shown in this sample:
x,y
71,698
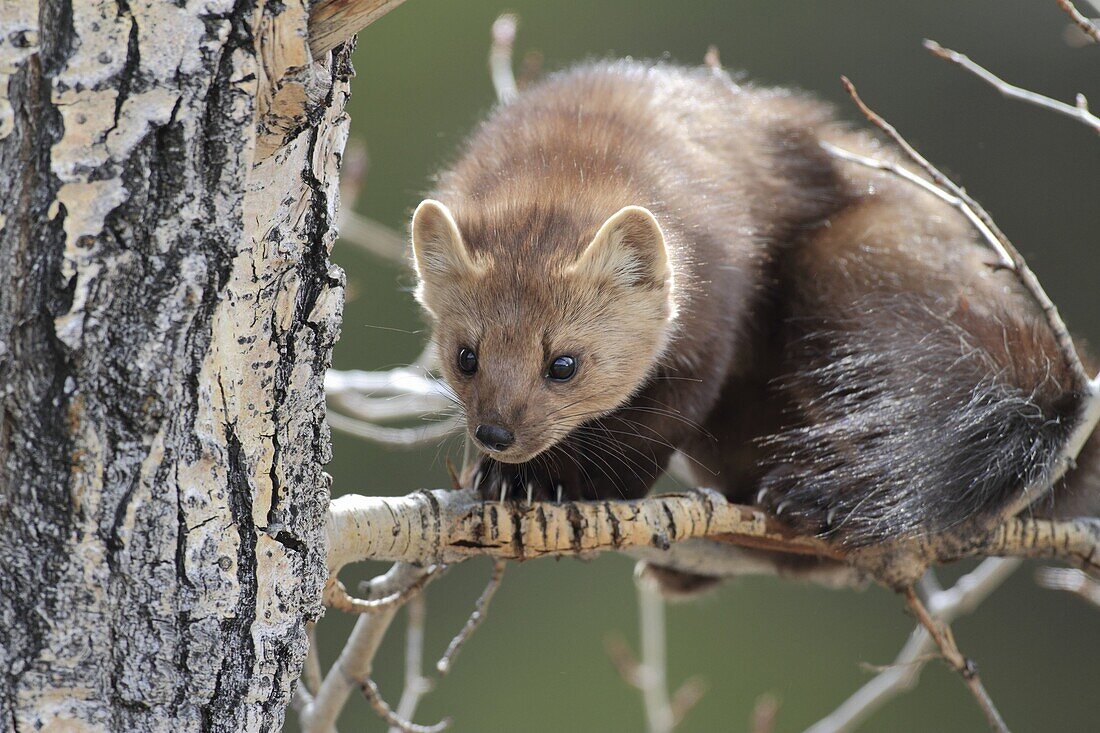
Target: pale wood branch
x,y
416,684
380,706
353,667
436,527
1071,581
331,22
500,57
1079,111
650,674
1088,27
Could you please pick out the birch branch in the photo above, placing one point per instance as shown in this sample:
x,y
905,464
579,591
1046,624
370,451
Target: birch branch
x,y
444,527
1070,581
944,638
477,616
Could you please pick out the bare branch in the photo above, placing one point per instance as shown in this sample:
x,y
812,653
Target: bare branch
x,y
353,667
902,675
311,670
945,640
764,714
1087,26
713,59
1011,258
500,57
331,22
1004,248
336,596
374,697
450,526
1071,581
481,607
371,236
408,382
650,676
416,684
393,437
1079,112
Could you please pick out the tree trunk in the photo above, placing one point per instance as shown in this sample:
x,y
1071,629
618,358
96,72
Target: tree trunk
x,y
167,314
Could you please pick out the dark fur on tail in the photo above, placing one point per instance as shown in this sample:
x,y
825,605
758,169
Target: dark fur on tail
x,y
910,422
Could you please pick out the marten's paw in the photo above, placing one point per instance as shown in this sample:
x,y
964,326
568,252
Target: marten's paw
x,y
804,511
497,481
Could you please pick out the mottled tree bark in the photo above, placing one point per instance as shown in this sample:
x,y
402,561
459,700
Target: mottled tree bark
x,y
167,313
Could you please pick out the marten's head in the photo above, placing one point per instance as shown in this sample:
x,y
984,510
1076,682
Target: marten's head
x,y
538,330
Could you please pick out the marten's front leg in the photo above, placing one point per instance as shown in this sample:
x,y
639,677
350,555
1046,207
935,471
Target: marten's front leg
x,y
596,461
619,456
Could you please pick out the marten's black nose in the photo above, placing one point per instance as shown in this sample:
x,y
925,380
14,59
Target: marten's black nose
x,y
494,437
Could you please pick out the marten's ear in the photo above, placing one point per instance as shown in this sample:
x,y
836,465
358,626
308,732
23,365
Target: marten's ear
x,y
439,253
628,249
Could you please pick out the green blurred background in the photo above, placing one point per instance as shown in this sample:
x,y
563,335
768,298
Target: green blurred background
x,y
538,663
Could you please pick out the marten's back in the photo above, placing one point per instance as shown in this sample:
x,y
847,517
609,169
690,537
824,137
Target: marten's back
x,y
731,172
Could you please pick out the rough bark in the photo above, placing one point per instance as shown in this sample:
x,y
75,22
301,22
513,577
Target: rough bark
x,y
167,312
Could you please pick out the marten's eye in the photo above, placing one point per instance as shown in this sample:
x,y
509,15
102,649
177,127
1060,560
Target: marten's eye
x,y
562,369
467,360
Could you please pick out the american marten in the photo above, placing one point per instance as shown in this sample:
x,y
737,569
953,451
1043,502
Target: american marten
x,y
631,260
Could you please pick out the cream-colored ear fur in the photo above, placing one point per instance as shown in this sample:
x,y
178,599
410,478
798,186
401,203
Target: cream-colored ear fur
x,y
439,254
629,249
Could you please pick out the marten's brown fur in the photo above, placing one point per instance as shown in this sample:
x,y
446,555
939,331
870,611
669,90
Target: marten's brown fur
x,y
825,339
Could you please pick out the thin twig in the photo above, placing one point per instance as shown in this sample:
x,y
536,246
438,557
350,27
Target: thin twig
x,y
500,57
300,699
371,236
1071,581
311,670
393,437
405,381
353,667
764,714
945,640
1090,29
649,675
416,684
1011,258
1079,111
383,409
1005,250
713,59
374,697
336,595
652,672
481,607
902,674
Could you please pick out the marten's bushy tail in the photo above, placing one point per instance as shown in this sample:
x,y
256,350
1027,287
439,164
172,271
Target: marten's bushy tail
x,y
910,422
927,386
